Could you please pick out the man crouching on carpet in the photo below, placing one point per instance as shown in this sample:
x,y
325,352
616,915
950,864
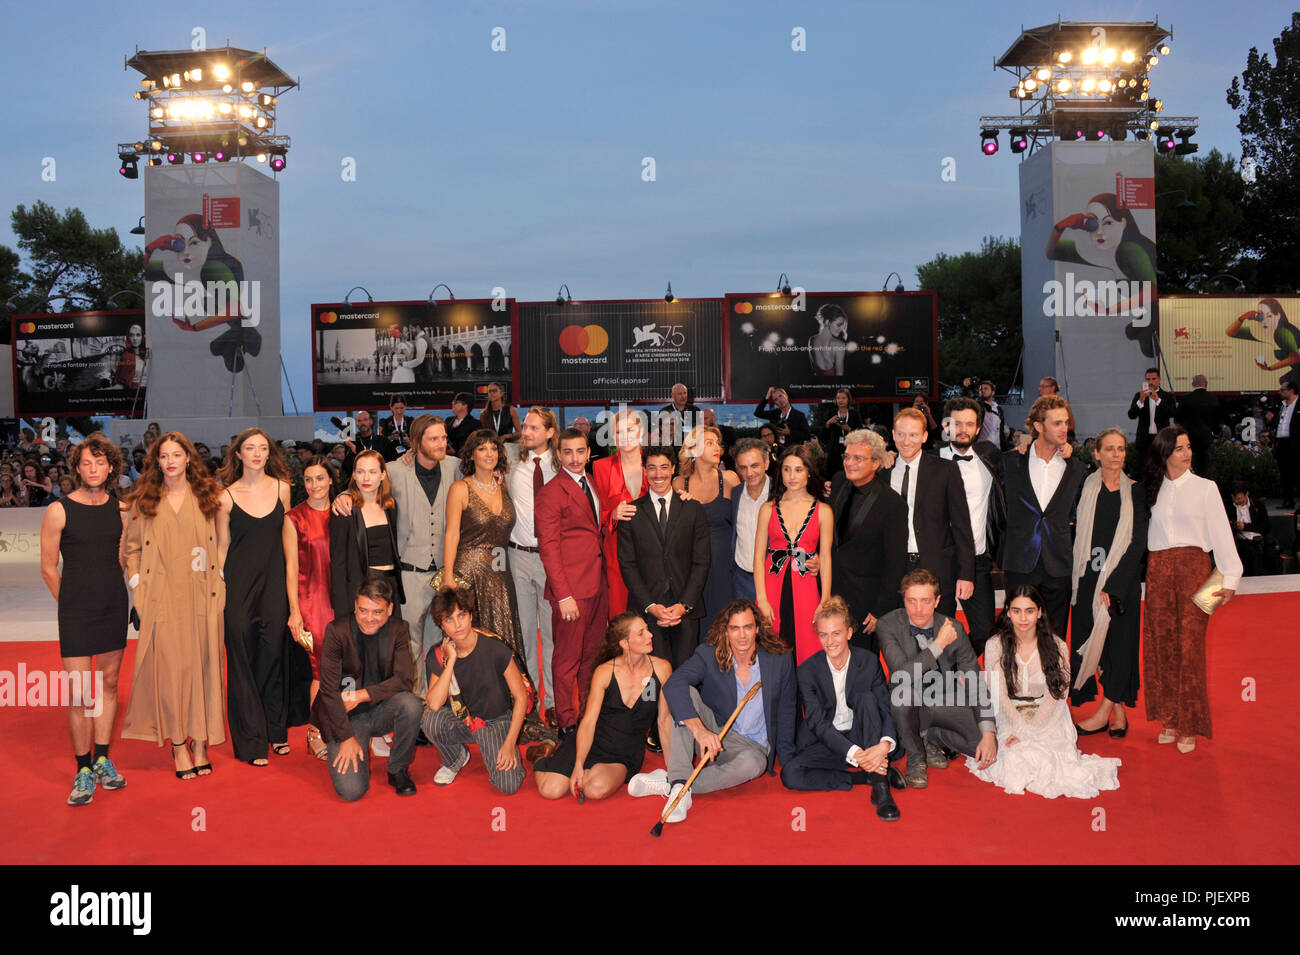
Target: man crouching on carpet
x,y
848,730
702,694
365,679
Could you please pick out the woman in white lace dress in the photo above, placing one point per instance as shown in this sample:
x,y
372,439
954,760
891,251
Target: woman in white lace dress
x,y
1028,673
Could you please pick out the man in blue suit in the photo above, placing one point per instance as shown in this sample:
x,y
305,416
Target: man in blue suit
x,y
848,731
752,458
703,693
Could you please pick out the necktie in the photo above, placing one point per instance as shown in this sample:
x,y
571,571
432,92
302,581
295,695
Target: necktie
x,y
663,514
907,474
586,491
963,457
537,476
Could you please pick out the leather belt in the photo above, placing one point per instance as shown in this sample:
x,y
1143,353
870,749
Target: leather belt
x,y
420,570
913,557
526,550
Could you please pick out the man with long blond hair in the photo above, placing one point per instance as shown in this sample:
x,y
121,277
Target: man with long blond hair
x,y
703,693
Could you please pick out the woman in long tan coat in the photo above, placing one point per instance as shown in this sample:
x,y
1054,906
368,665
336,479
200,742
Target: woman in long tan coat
x,y
171,546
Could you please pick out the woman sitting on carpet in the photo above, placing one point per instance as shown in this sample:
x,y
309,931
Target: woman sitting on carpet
x,y
609,746
1028,672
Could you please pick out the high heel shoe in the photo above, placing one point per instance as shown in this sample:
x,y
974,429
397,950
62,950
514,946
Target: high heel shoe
x,y
1087,732
1119,732
203,769
185,774
316,745
1186,744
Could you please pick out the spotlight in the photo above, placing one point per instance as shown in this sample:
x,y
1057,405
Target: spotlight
x,y
1064,86
199,158
155,160
1142,135
1117,131
1090,56
1065,56
261,157
221,155
783,284
247,86
1043,74
1108,56
1156,105
1032,84
221,72
1019,140
175,159
1153,60
1165,143
277,160
128,169
1098,134
988,141
668,296
265,99
1103,86
156,145
1128,56
1088,85
1185,148
1164,49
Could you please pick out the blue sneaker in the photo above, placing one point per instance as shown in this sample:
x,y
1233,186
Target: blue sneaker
x,y
106,774
83,788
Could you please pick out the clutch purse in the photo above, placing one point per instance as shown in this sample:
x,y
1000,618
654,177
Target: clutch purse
x,y
436,583
1204,596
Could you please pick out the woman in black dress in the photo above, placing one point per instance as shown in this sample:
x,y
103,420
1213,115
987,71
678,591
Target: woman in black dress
x,y
85,527
268,673
843,419
609,746
1109,544
499,416
707,481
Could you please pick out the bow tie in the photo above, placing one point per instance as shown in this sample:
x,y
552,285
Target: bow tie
x,y
963,457
921,631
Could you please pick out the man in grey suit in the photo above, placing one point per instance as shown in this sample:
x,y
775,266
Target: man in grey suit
x,y
420,480
937,690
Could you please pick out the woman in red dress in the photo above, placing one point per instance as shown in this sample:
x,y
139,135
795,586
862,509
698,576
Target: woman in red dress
x,y
620,480
792,528
307,565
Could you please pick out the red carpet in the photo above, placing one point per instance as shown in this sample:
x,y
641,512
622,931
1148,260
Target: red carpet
x,y
1232,801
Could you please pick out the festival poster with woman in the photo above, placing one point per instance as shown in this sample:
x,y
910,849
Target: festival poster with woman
x,y
1239,342
212,288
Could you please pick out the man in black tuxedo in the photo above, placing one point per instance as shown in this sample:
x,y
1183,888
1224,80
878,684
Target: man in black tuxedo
x,y
461,423
663,552
1250,530
848,732
939,533
791,426
1042,489
1286,441
980,463
870,551
1152,408
1198,412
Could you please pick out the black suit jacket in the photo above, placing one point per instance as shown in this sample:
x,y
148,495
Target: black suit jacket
x,y
1164,413
666,568
942,520
348,558
817,693
456,434
1259,522
1198,412
870,559
797,423
995,517
340,659
1033,532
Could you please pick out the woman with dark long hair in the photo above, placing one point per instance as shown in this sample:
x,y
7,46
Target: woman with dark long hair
x,y
1187,523
793,527
131,370
626,699
173,547
268,675
1106,236
365,540
498,415
1027,670
307,575
1273,324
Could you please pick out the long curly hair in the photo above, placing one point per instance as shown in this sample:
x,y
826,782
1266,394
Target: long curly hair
x,y
691,445
473,442
717,637
801,452
1054,671
617,630
96,444
148,489
233,468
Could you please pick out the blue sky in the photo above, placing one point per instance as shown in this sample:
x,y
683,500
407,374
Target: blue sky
x,y
522,168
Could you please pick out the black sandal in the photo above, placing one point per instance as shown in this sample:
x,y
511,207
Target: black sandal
x,y
280,749
203,770
185,774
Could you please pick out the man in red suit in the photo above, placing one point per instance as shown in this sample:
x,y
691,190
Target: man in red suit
x,y
568,535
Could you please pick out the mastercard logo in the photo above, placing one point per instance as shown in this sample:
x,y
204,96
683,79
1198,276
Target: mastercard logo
x,y
904,383
744,308
328,318
27,327
583,340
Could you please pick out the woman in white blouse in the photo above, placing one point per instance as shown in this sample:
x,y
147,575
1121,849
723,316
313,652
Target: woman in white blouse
x,y
1187,523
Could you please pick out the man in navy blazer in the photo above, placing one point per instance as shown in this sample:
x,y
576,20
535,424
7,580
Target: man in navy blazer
x,y
704,692
848,732
1042,490
752,459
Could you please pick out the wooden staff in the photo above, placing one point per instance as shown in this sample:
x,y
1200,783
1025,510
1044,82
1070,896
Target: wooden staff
x,y
704,761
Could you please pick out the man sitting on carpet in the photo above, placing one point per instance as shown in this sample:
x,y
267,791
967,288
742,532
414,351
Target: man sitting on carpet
x,y
703,693
937,689
365,676
848,730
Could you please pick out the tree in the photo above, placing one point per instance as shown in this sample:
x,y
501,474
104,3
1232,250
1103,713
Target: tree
x,y
1267,98
979,311
1201,226
70,263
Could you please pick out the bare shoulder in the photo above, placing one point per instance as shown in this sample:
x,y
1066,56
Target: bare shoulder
x,y
730,478
663,669
55,517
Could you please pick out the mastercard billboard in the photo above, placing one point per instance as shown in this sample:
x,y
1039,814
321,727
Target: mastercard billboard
x,y
81,363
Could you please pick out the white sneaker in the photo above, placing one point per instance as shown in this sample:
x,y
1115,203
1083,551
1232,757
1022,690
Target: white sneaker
x,y
649,784
445,774
381,745
679,814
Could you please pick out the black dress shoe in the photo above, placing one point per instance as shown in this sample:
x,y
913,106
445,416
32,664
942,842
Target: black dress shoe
x,y
882,798
652,740
401,781
1083,732
1118,733
896,778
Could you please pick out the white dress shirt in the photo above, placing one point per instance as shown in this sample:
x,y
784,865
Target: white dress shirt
x,y
896,482
977,480
1188,513
843,715
654,503
1044,476
1243,515
520,484
1285,419
747,525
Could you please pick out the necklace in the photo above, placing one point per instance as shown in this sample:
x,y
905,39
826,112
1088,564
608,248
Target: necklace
x,y
481,486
